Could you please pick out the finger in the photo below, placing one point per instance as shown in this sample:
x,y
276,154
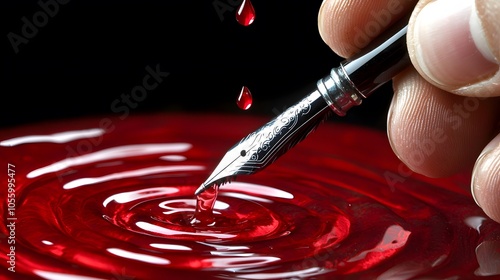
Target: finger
x,y
436,133
486,180
348,26
455,45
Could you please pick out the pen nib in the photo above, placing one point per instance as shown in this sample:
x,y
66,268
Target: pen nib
x,y
262,147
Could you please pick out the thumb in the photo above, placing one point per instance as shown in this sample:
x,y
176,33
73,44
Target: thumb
x,y
455,45
486,180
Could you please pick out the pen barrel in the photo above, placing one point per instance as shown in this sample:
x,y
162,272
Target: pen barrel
x,y
380,61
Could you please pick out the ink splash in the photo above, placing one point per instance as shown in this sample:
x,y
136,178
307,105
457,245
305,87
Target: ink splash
x,y
105,198
205,203
245,99
245,15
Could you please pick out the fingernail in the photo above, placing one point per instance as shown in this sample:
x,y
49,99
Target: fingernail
x,y
484,165
450,45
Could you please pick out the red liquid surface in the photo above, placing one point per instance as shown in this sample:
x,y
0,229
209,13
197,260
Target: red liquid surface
x,y
105,198
245,15
245,99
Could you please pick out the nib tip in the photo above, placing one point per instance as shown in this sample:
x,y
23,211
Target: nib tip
x,y
200,190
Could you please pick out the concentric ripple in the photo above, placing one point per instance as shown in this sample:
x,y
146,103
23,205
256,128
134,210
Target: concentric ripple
x,y
114,199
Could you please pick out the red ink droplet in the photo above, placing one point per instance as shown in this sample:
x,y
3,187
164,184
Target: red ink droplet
x,y
244,99
245,14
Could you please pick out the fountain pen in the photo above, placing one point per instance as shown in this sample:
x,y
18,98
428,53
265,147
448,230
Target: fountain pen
x,y
344,87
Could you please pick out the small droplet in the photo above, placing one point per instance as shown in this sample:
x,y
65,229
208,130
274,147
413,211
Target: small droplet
x,y
245,14
244,100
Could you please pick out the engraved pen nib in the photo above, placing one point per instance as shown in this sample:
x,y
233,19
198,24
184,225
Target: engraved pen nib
x,y
262,147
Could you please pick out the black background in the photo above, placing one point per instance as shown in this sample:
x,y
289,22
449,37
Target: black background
x,y
91,52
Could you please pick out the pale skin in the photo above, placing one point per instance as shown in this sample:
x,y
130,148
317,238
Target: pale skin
x,y
445,114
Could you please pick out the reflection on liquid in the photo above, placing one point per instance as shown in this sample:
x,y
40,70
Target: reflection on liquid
x,y
61,137
409,270
488,257
258,190
186,205
224,248
110,154
130,174
46,242
173,158
254,192
170,247
394,238
168,232
50,275
239,263
138,256
475,222
126,197
298,274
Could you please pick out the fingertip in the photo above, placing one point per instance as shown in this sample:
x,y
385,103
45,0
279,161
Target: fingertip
x,y
324,28
485,185
333,26
436,133
411,123
348,26
451,49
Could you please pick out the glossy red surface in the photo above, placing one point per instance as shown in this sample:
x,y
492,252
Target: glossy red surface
x,y
244,100
111,198
245,15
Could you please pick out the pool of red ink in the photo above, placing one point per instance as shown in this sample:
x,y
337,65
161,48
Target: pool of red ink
x,y
111,198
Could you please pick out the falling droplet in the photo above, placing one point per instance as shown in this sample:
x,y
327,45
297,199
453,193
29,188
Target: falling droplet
x,y
244,99
245,14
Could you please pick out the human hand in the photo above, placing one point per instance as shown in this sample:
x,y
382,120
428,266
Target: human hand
x,y
444,116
